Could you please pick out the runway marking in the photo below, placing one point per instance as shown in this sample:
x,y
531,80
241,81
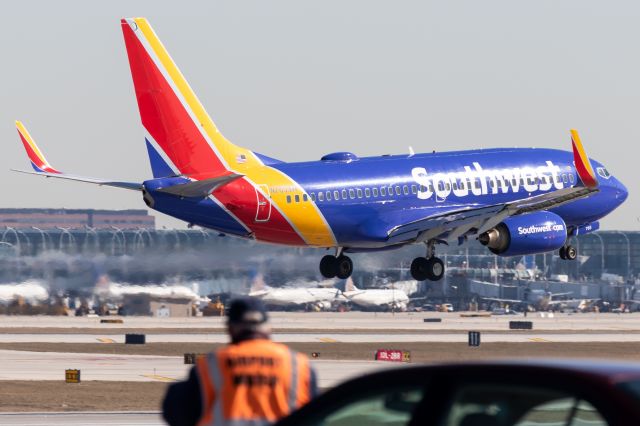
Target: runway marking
x,y
538,339
327,340
105,340
159,378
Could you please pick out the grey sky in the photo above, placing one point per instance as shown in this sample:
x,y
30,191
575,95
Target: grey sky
x,y
295,80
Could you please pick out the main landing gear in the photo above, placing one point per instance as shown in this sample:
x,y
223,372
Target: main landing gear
x,y
568,252
427,268
339,266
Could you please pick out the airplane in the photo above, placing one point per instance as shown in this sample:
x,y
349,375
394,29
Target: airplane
x,y
376,299
542,300
515,201
320,298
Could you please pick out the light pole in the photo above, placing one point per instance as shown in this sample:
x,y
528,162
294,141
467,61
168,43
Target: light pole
x,y
602,252
628,253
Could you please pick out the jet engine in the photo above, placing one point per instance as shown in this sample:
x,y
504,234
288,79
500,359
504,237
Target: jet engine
x,y
531,233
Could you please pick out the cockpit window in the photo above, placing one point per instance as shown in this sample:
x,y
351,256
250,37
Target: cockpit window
x,y
602,172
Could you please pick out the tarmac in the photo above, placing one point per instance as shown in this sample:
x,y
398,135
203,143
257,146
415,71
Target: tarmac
x,y
313,322
350,327
82,418
20,365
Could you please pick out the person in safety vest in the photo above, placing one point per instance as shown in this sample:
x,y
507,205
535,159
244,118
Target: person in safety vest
x,y
252,381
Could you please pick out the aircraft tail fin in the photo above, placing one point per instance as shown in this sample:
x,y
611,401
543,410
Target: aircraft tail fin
x,y
181,137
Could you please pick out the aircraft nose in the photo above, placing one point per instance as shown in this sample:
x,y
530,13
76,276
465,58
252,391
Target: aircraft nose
x,y
621,191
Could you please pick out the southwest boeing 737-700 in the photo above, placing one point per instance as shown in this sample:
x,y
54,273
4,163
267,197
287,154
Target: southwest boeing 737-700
x,y
514,201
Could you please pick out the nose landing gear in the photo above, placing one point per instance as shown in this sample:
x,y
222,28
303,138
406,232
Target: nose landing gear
x,y
428,268
339,266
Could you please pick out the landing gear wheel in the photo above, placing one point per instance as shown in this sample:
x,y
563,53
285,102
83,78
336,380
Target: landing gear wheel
x,y
419,268
329,266
435,269
570,253
344,267
563,253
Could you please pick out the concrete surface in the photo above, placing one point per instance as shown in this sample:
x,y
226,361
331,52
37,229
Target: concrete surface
x,y
94,419
18,365
460,336
319,321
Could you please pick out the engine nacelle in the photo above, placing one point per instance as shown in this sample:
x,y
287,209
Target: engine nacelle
x,y
531,233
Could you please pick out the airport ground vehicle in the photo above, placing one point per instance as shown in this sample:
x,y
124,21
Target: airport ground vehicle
x,y
489,394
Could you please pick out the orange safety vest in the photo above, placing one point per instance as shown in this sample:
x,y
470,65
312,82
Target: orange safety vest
x,y
255,382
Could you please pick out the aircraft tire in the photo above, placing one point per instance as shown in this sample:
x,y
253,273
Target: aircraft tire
x,y
435,269
419,268
570,253
563,253
329,266
344,267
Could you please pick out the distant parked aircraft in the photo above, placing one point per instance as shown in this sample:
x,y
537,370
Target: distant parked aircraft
x,y
319,298
542,300
376,299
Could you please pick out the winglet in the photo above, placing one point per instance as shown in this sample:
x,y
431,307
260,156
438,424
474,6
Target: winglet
x,y
38,162
582,163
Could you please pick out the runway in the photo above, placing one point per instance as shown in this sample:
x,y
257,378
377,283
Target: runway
x,y
312,322
80,418
329,337
19,365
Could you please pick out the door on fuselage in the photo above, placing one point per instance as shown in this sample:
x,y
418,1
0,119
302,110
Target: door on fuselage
x,y
263,212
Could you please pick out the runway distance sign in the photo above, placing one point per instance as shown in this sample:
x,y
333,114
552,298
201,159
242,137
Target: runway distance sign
x,y
393,355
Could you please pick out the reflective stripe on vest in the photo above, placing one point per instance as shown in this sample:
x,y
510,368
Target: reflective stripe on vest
x,y
215,379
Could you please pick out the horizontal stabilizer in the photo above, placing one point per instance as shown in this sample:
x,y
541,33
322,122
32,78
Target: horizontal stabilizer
x,y
43,168
200,188
102,182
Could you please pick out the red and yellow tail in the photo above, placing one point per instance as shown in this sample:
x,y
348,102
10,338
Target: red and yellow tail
x,y
582,163
38,162
177,125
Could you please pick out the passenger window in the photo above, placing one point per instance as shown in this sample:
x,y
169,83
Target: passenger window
x,y
440,186
321,196
352,194
367,192
405,190
477,184
571,178
397,190
304,197
564,178
313,196
297,198
455,186
414,189
447,186
383,191
359,192
514,182
375,192
344,194
336,195
288,198
391,407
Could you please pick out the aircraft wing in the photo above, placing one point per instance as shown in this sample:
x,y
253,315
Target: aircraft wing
x,y
571,301
454,224
42,167
492,299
